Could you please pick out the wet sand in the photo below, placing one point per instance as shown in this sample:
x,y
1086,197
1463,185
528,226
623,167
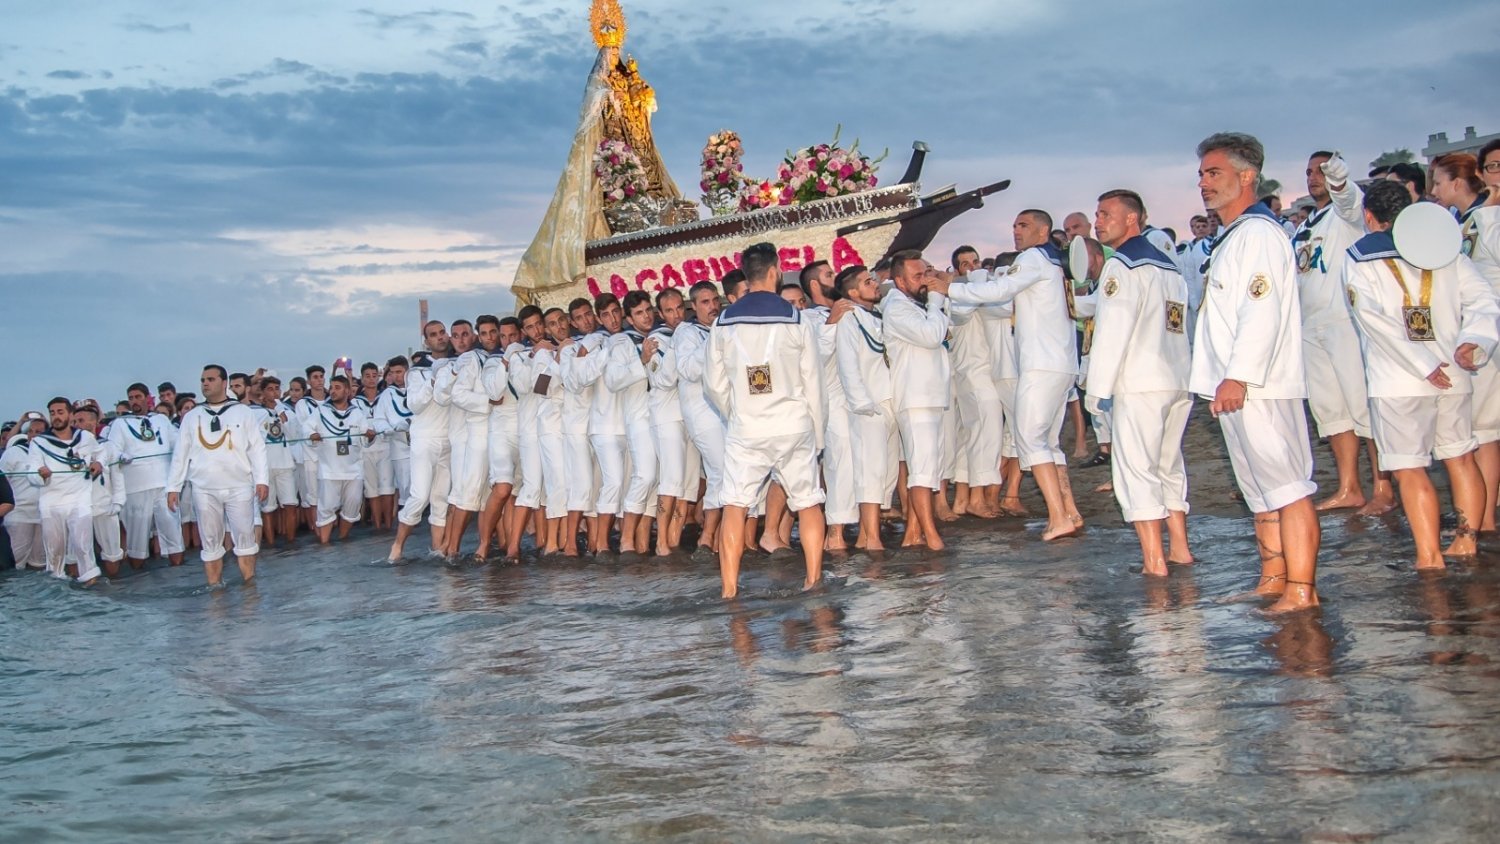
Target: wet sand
x,y
1003,690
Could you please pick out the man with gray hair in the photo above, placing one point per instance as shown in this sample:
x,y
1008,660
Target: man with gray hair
x,y
1248,363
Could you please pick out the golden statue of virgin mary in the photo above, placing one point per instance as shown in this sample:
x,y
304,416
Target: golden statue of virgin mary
x,y
617,105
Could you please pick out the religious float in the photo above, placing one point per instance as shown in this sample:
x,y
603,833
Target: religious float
x,y
618,222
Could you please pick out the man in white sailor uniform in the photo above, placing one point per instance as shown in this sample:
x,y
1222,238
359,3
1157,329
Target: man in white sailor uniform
x,y
916,325
625,375
762,373
307,409
66,462
667,431
222,455
705,427
279,510
376,470
825,311
555,480
428,427
1330,346
585,370
24,523
535,372
1047,358
1139,368
108,494
392,421
1424,332
1248,362
340,433
865,376
981,424
578,456
504,433
444,377
1190,257
145,442
470,422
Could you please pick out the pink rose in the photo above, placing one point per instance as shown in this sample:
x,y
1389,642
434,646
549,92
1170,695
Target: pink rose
x,y
723,178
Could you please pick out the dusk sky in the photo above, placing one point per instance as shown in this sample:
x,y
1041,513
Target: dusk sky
x,y
278,183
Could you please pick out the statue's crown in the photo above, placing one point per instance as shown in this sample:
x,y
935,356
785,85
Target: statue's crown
x,y
607,20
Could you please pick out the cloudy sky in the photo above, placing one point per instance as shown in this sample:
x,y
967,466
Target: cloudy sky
x,y
277,183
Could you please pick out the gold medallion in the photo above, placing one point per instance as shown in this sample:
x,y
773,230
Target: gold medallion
x,y
342,449
1352,298
1418,323
1176,317
1111,287
759,377
1013,269
1471,237
1260,285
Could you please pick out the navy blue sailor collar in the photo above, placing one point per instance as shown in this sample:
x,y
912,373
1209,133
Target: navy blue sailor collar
x,y
1259,209
1138,251
1050,251
1479,201
760,307
1375,246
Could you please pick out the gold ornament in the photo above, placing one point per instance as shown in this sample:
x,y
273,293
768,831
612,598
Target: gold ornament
x,y
607,20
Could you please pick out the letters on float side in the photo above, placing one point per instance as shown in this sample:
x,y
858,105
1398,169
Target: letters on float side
x,y
690,271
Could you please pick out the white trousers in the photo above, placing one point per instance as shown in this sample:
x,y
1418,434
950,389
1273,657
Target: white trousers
x,y
583,474
309,489
1146,462
68,538
144,511
981,426
107,535
790,460
922,445
283,491
26,543
401,476
610,453
218,508
1270,452
554,475
640,492
340,500
469,464
1411,430
375,461
706,429
429,482
1006,387
1041,403
692,468
1335,378
1486,402
671,459
876,445
504,451
841,504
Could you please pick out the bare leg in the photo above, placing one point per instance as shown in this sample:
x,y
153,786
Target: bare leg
x,y
771,539
903,492
604,523
1153,555
667,521
1419,501
960,499
810,522
1048,479
733,529
489,518
869,528
1178,552
325,533
833,536
1345,447
247,567
403,532
214,571
1300,538
752,528
1010,502
1468,495
1272,558
458,522
921,524
627,533
709,538
1069,505
643,534
1080,439
570,533
344,527
1488,460
553,531
517,528
1383,499
940,507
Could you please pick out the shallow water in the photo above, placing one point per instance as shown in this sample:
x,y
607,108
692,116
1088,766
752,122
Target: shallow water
x,y
1004,690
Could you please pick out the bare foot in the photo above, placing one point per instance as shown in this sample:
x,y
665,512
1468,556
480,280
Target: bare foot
x,y
945,514
771,549
1342,501
1296,598
1271,586
1431,565
1157,569
1059,531
1378,506
1013,507
870,546
730,592
1181,558
1464,545
986,513
912,538
829,545
570,551
960,508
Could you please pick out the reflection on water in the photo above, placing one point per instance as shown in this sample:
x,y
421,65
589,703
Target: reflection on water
x,y
1005,690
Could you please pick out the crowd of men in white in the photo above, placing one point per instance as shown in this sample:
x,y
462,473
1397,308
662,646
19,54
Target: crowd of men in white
x,y
815,402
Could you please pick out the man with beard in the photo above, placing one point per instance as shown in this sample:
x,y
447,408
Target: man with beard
x,y
145,443
584,369
376,469
978,403
865,376
66,460
625,376
222,455
1330,345
504,431
469,428
577,407
705,427
428,427
828,309
533,368
1248,363
392,421
342,432
677,466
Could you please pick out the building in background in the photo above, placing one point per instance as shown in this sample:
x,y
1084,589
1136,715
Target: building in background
x,y
1471,142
